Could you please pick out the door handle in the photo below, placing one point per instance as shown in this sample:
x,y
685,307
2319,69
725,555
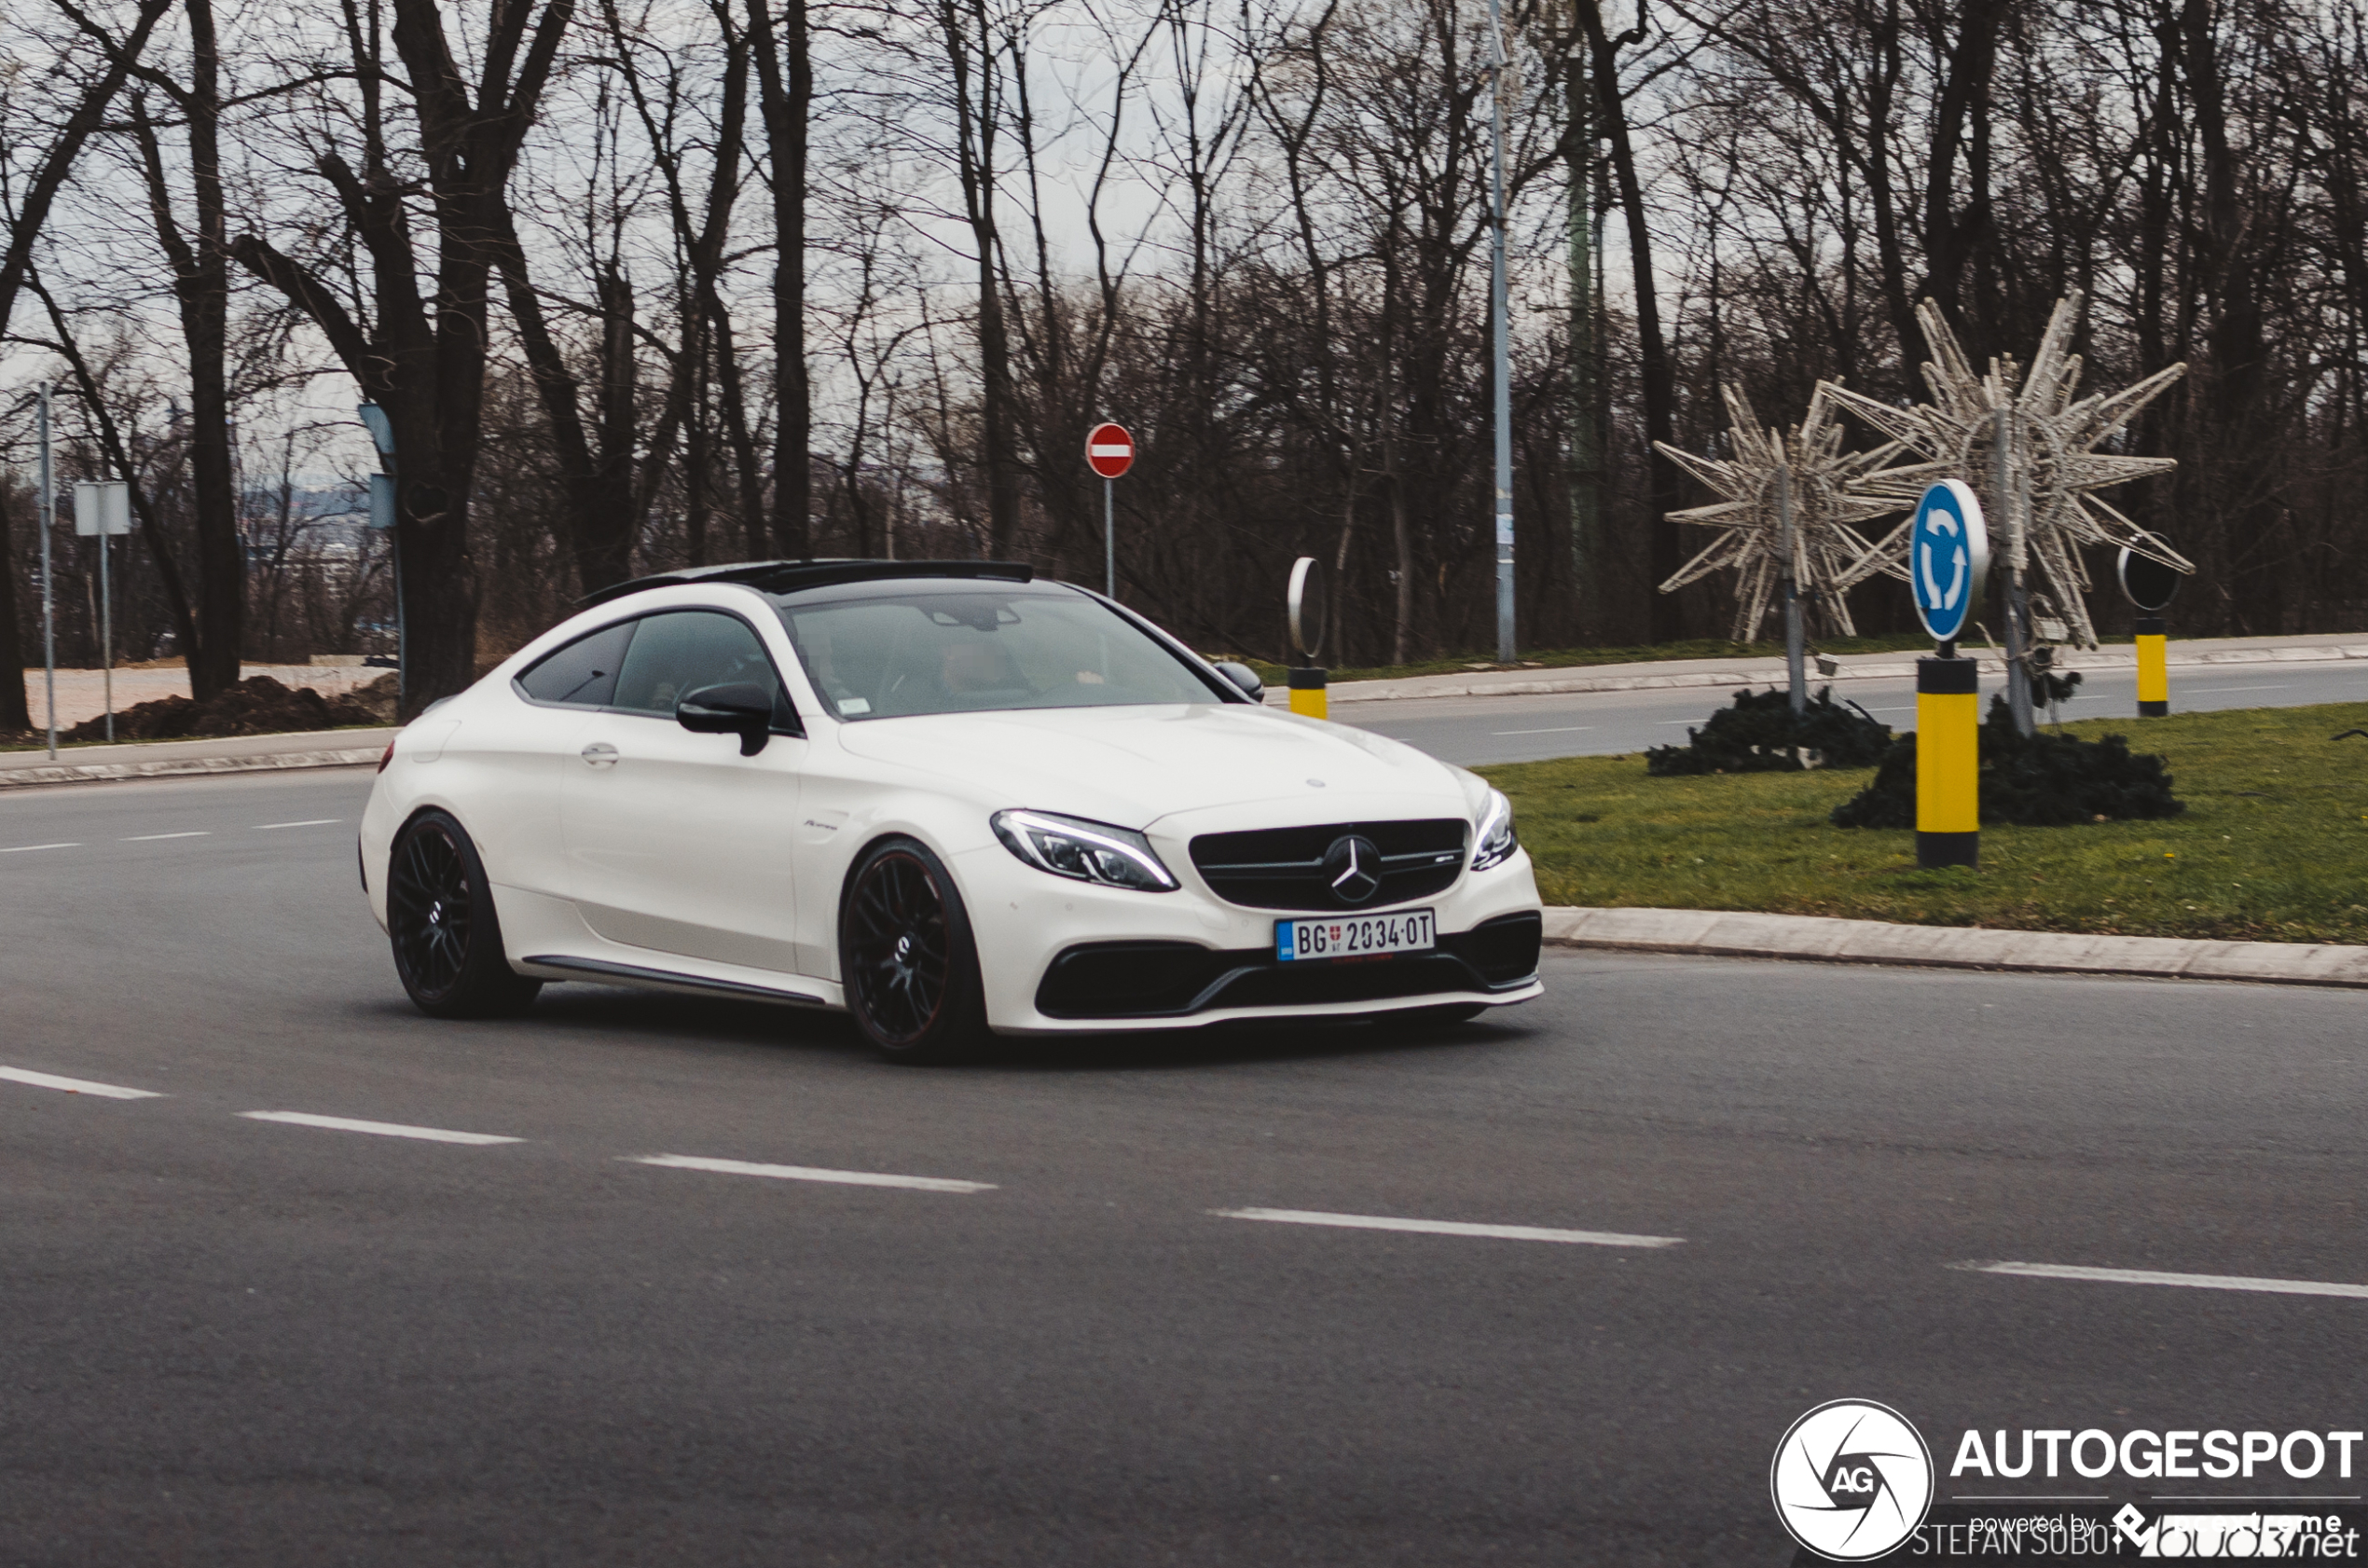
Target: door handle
x,y
600,754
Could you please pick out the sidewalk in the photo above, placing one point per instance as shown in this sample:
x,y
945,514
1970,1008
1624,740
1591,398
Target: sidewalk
x,y
1717,933
1677,673
165,759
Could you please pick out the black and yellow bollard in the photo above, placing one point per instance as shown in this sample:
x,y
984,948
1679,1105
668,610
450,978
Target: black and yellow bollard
x,y
1947,761
2154,669
1307,693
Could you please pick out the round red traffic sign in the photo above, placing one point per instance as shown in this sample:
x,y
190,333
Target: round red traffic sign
x,y
1110,451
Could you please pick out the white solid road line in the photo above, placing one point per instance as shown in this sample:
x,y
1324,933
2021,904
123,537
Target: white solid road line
x,y
309,823
2156,1276
2231,691
28,848
806,1173
77,1085
145,838
383,1129
1559,729
1447,1228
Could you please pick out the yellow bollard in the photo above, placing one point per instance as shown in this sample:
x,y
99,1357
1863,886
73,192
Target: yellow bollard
x,y
2154,669
1307,693
1947,761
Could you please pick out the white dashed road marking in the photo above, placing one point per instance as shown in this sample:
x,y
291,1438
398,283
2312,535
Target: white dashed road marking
x,y
28,848
77,1085
2156,1276
807,1173
1447,1228
309,823
2229,690
148,838
1559,729
383,1129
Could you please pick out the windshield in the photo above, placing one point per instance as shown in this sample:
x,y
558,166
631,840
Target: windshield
x,y
912,650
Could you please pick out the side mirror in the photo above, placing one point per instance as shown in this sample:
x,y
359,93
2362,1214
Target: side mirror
x,y
742,708
1245,676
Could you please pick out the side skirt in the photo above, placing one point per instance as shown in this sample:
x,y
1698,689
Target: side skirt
x,y
634,974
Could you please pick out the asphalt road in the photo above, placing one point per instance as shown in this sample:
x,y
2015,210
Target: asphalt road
x,y
240,1341
1477,730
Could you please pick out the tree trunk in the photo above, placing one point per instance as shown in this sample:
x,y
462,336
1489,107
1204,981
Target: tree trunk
x,y
785,88
1660,384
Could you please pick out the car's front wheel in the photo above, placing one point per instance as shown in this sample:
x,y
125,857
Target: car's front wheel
x,y
440,918
907,956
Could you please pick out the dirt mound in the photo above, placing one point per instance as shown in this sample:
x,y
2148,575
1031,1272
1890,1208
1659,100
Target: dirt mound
x,y
256,705
1760,735
2045,781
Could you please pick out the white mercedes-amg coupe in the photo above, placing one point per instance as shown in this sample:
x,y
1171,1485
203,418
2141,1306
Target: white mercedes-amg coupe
x,y
944,796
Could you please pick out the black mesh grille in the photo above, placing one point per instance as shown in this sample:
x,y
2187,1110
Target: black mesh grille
x,y
1504,950
1129,979
1283,868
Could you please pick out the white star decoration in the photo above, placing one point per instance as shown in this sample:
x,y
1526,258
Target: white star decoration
x,y
2053,466
1826,501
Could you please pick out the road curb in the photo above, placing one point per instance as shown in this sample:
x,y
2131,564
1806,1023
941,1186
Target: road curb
x,y
99,773
1728,934
1773,674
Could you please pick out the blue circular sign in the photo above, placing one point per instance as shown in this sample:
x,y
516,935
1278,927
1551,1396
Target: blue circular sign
x,y
1947,558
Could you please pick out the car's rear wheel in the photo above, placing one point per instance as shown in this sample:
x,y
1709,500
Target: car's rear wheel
x,y
440,919
907,955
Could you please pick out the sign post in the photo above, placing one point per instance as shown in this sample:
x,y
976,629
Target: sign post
x,y
1796,639
2149,584
1305,600
103,507
1109,452
49,611
1947,559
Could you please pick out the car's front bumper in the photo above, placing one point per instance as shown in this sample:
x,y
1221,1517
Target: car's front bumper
x,y
1069,957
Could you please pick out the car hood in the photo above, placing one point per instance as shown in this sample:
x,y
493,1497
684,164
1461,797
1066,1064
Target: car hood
x,y
1132,766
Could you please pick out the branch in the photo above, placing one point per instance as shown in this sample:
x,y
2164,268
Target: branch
x,y
318,303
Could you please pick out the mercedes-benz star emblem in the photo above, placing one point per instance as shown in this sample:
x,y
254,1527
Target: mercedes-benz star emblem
x,y
1354,866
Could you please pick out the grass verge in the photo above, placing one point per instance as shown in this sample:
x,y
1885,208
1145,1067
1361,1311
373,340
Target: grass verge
x,y
2273,845
1571,658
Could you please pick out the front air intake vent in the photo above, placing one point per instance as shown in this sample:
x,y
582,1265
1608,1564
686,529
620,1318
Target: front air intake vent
x,y
1340,865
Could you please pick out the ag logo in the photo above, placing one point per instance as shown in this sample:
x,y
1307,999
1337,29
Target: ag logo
x,y
1851,1479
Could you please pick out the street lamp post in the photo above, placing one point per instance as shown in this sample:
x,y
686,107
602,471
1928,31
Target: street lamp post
x,y
1502,370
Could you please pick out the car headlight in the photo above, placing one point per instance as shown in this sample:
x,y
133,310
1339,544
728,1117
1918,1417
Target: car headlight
x,y
1086,851
1495,838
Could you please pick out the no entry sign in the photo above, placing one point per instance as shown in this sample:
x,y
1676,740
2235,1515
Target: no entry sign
x,y
1110,451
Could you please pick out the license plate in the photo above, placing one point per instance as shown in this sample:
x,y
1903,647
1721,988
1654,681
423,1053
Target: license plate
x,y
1356,936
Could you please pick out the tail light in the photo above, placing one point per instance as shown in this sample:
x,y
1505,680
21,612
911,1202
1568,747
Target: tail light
x,y
386,756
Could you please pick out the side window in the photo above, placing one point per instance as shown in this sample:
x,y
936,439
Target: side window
x,y
584,673
677,652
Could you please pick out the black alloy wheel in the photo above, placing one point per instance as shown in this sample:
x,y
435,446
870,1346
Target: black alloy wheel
x,y
907,955
440,920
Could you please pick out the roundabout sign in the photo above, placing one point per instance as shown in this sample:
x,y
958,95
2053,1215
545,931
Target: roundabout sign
x,y
1947,558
